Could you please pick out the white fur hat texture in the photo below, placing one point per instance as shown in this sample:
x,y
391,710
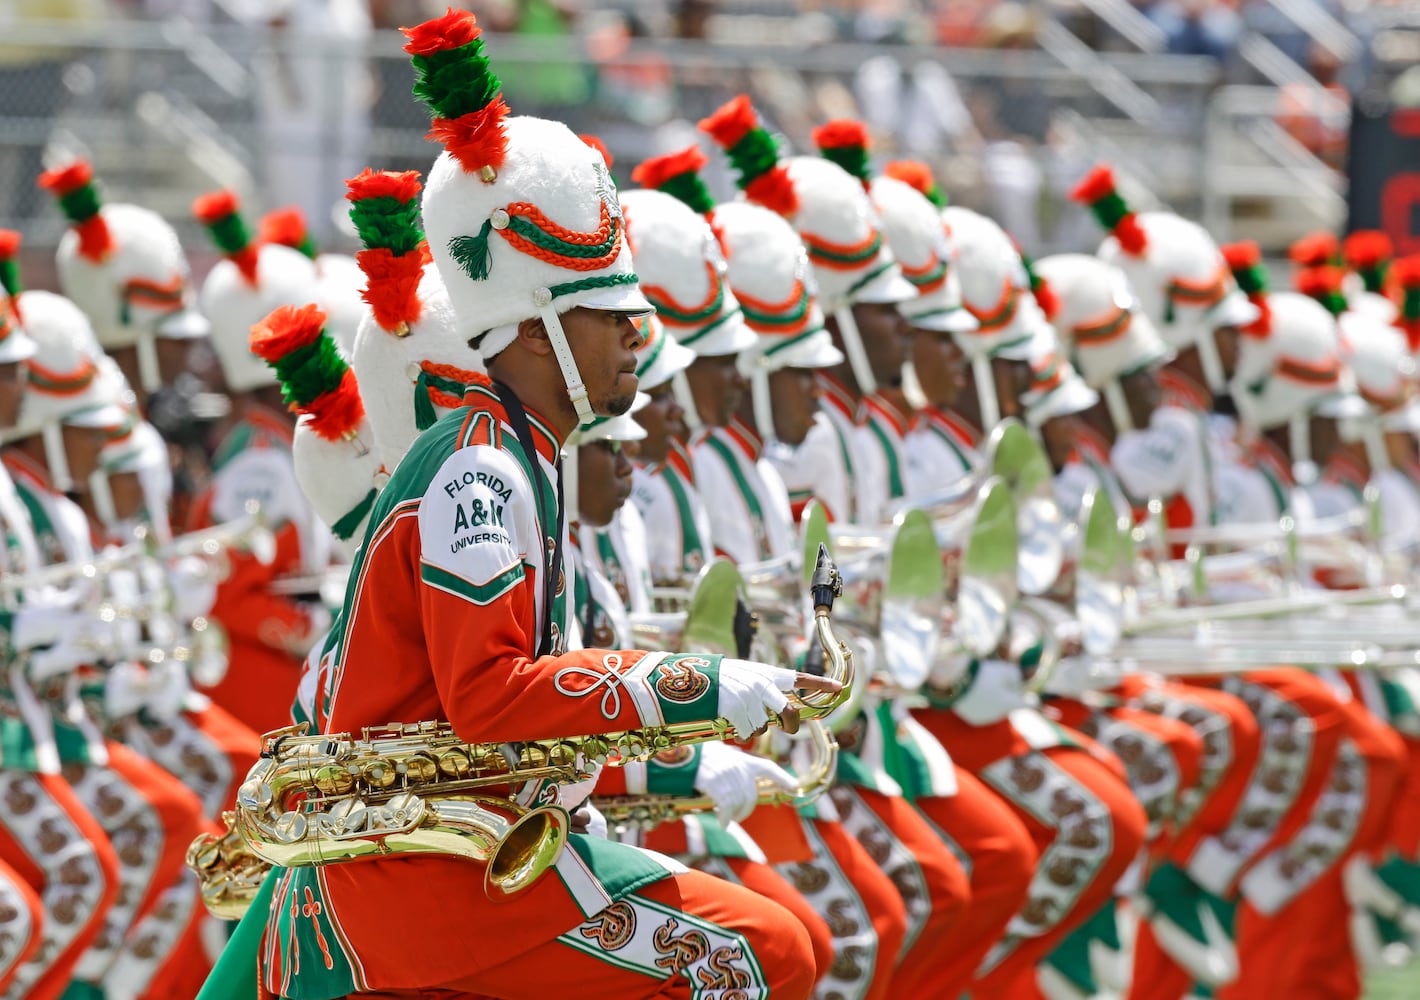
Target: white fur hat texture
x,y
1099,319
682,272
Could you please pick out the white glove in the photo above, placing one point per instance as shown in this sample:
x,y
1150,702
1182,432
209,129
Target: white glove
x,y
194,587
750,692
731,778
85,639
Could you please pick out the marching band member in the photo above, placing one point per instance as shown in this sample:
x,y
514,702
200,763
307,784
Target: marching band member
x,y
1011,329
23,911
269,633
859,284
513,208
683,276
122,264
1118,353
606,605
999,853
768,273
51,836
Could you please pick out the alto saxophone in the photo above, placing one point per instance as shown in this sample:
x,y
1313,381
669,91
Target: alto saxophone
x,y
230,874
649,811
419,789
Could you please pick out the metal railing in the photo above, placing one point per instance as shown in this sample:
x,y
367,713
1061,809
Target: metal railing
x,y
168,111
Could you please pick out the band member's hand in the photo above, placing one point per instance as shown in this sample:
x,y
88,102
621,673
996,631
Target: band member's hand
x,y
752,695
731,778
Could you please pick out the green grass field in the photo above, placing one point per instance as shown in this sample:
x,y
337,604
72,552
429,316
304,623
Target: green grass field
x,y
1395,984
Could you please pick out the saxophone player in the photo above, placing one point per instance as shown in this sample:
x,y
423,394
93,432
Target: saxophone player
x,y
460,599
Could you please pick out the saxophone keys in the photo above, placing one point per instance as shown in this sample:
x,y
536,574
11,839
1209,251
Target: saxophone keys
x,y
289,827
455,763
334,780
421,769
380,773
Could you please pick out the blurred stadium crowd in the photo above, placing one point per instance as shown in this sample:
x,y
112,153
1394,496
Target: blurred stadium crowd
x,y
1235,110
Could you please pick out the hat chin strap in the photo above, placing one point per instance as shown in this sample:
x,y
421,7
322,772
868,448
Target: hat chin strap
x,y
102,497
1376,454
1299,435
912,387
562,351
986,392
150,375
1118,407
857,355
58,461
685,396
1212,363
763,405
571,510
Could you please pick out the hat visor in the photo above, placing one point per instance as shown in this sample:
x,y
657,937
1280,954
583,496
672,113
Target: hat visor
x,y
887,288
1342,406
1074,396
185,324
671,358
950,319
16,348
1034,339
1405,420
1235,310
618,298
729,335
102,416
807,350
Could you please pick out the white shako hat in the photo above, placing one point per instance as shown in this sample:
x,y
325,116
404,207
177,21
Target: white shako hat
x,y
682,271
65,379
996,291
15,344
339,279
1056,389
1101,325
830,210
1289,358
335,462
240,290
922,243
768,269
521,215
123,265
1380,361
1174,267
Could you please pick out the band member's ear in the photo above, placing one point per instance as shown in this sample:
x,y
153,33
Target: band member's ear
x,y
533,336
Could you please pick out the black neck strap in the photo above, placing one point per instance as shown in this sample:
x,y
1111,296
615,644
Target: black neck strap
x,y
551,560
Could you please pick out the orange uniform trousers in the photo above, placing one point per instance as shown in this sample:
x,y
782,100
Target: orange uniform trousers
x,y
1231,744
56,872
777,942
1271,961
975,748
21,923
999,856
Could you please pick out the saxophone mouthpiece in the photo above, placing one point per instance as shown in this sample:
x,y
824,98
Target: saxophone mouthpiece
x,y
826,583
